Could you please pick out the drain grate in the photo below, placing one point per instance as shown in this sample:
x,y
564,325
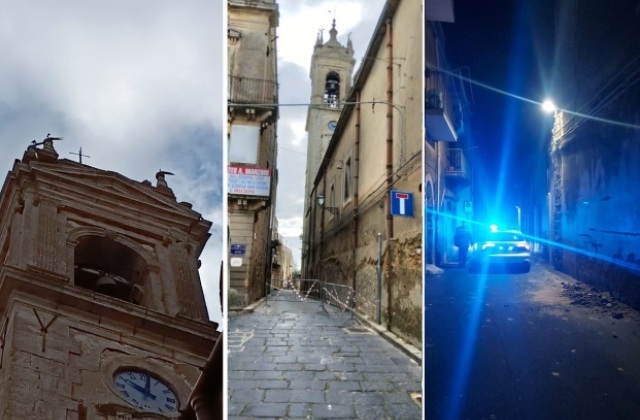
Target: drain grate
x,y
358,330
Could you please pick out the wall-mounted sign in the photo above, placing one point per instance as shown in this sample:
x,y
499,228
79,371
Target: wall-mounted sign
x,y
238,249
235,262
249,180
401,203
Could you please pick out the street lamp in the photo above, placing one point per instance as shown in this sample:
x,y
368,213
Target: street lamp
x,y
320,201
549,107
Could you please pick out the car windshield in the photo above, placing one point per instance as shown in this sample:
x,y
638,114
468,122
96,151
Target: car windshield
x,y
505,236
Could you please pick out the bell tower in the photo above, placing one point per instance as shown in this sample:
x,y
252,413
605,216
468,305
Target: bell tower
x,y
103,314
331,73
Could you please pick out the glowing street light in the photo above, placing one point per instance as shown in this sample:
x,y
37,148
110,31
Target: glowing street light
x,y
549,107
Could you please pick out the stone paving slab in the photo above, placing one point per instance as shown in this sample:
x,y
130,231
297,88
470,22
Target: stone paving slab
x,y
292,359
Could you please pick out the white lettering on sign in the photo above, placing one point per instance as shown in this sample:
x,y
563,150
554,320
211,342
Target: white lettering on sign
x,y
252,181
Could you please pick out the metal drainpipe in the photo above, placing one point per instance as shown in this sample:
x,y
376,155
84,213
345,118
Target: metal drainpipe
x,y
272,199
379,273
206,399
310,235
324,192
389,163
311,271
356,161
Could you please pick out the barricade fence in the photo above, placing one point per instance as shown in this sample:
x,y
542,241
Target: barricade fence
x,y
314,290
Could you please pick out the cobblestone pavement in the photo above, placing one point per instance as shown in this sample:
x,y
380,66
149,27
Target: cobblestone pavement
x,y
308,360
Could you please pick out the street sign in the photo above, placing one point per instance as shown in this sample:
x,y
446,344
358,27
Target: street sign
x,y
401,203
238,249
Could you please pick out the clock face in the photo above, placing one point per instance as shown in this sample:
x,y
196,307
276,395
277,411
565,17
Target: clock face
x,y
145,391
332,125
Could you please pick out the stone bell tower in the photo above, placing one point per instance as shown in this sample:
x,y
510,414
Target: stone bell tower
x,y
331,73
103,314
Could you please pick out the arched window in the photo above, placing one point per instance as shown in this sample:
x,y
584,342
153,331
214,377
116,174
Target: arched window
x,y
332,89
105,266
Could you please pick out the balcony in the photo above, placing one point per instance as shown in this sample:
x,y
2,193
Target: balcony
x,y
456,169
275,262
439,115
246,90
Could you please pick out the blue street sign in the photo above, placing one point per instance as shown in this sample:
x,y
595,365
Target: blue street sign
x,y
401,203
238,249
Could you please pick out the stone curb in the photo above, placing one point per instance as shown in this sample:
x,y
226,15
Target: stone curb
x,y
248,309
407,348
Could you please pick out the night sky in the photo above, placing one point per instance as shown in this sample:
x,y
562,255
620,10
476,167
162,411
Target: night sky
x,y
505,44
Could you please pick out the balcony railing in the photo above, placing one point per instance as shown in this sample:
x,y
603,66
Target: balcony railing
x,y
441,119
246,90
456,167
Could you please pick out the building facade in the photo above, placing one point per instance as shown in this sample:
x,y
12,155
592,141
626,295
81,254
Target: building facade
x,y
252,117
281,260
448,188
593,200
103,314
365,203
331,73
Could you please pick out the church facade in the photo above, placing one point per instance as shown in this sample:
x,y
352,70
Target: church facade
x,y
364,205
103,314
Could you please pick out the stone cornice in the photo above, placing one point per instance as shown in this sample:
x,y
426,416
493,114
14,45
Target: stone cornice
x,y
40,286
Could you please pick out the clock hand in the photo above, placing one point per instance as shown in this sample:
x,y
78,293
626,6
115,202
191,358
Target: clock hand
x,y
147,384
145,393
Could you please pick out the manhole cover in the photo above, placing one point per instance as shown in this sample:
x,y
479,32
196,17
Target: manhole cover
x,y
358,330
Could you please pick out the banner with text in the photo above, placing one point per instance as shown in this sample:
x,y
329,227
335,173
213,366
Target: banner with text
x,y
248,180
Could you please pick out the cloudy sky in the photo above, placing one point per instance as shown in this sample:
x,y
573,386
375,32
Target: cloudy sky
x,y
136,84
300,22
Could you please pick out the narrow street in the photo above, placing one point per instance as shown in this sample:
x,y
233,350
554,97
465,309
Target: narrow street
x,y
304,359
528,346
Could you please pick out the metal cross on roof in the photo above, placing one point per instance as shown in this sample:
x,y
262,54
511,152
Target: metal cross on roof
x,y
79,154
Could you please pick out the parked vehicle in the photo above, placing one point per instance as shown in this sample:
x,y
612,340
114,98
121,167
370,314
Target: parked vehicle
x,y
502,249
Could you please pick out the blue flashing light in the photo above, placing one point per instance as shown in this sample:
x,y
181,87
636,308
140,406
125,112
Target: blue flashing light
x,y
493,227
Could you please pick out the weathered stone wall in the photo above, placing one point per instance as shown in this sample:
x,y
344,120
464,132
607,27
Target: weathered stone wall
x,y
55,362
359,147
596,202
405,287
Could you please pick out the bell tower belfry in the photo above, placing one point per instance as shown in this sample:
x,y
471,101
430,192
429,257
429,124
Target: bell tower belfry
x,y
331,73
102,310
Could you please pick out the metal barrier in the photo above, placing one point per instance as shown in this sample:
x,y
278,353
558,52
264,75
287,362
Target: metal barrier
x,y
312,290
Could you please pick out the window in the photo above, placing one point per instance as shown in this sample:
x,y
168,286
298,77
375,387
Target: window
x,y
346,196
244,142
